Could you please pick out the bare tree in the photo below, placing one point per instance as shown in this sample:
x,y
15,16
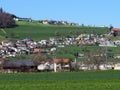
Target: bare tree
x,y
97,56
6,20
37,58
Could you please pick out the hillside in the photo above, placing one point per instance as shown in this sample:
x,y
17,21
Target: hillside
x,y
39,31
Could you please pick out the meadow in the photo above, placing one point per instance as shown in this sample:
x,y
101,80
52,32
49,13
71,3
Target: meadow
x,y
69,51
84,80
38,31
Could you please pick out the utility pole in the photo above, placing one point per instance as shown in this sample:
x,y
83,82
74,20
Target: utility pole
x,y
106,51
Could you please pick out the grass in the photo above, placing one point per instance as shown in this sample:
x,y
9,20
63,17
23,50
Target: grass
x,y
69,51
39,31
115,38
89,80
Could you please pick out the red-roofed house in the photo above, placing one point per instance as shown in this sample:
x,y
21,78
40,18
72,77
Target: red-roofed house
x,y
115,31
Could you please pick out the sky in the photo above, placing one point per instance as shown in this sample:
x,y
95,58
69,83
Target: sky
x,y
87,12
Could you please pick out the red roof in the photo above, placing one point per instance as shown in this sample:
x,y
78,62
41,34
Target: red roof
x,y
115,29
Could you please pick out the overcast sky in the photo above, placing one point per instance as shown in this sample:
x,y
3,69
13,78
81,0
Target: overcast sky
x,y
88,12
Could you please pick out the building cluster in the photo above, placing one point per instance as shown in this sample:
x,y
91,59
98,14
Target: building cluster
x,y
54,22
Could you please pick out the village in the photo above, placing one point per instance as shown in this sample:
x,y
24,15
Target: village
x,y
30,47
59,45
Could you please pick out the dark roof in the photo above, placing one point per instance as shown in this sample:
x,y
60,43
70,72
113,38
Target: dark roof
x,y
17,64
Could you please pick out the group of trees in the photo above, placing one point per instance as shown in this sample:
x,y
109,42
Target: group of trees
x,y
6,20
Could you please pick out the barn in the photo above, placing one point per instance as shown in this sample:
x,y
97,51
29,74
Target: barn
x,y
19,66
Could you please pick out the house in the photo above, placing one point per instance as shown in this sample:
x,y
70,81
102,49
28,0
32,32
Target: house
x,y
116,56
36,50
115,31
46,66
117,66
117,42
61,64
45,21
23,19
43,42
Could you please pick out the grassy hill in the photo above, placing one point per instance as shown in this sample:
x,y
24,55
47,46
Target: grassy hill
x,y
39,31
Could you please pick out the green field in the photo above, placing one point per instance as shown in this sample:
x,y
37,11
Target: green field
x,y
39,31
89,80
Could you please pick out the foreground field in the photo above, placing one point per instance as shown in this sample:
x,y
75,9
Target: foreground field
x,y
94,80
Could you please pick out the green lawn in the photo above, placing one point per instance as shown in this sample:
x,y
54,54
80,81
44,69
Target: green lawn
x,y
89,80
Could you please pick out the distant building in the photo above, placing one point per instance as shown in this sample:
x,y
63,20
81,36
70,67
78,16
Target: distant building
x,y
23,19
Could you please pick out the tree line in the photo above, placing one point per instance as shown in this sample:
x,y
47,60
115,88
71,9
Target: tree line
x,y
6,19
